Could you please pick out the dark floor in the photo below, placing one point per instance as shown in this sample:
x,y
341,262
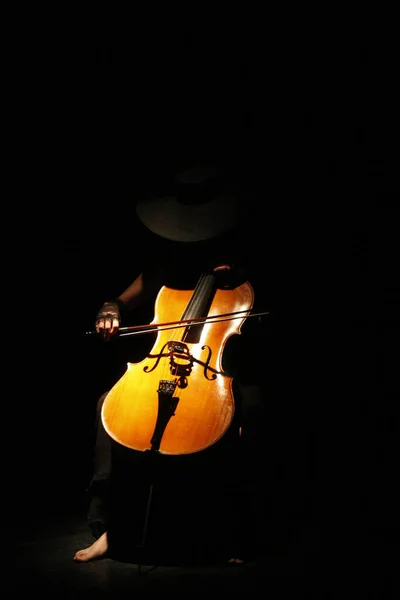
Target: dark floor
x,y
43,563
294,564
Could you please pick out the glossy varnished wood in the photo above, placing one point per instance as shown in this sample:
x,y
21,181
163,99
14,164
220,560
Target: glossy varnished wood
x,y
205,407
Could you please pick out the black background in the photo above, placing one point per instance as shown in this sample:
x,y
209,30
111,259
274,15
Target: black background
x,y
104,113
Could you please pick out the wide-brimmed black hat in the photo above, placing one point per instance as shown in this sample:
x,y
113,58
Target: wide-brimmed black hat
x,y
203,204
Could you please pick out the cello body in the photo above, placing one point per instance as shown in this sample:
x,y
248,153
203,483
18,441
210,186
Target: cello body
x,y
178,400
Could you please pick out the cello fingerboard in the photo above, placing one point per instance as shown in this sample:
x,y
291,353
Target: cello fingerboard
x,y
198,306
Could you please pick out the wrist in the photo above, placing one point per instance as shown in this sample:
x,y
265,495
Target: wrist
x,y
116,302
120,303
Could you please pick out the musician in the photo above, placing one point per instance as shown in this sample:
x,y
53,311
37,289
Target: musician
x,y
201,228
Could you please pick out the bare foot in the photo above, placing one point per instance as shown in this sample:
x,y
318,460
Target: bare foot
x,y
96,550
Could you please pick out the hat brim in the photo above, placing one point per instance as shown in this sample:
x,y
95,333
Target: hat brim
x,y
175,221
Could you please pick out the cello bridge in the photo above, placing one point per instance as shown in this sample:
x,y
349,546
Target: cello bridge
x,y
180,360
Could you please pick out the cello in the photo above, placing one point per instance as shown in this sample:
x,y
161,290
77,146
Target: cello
x,y
179,400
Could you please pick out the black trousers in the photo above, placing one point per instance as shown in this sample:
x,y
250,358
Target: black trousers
x,y
210,501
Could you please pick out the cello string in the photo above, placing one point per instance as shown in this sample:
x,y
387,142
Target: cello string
x,y
176,335
173,336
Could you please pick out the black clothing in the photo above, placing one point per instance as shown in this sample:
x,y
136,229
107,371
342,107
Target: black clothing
x,y
206,501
